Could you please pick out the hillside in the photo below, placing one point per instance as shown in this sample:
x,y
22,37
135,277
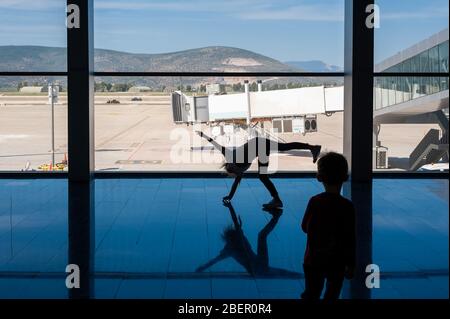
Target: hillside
x,y
34,58
208,59
314,66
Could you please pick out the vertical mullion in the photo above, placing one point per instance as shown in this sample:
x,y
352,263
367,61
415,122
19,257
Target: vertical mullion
x,y
358,132
81,218
358,90
80,64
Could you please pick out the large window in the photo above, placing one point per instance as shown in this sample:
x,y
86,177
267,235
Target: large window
x,y
33,36
149,123
219,36
411,110
203,53
33,130
407,24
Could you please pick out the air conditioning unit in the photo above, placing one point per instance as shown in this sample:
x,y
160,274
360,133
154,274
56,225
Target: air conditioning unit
x,y
304,124
382,157
311,123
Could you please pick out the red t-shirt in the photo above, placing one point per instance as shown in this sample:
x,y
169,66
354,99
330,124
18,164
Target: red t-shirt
x,y
329,223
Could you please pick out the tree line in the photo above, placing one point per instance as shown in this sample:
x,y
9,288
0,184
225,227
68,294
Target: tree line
x,y
202,88
199,88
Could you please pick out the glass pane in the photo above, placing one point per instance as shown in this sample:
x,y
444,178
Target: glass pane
x,y
426,86
385,92
406,66
415,63
28,139
443,57
410,134
407,29
416,87
434,59
377,93
33,35
412,37
34,232
399,90
407,89
219,36
436,82
148,124
444,83
425,61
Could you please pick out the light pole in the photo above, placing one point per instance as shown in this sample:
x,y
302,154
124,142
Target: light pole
x,y
53,98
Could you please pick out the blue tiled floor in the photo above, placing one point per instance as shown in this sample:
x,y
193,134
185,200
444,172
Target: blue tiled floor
x,y
152,234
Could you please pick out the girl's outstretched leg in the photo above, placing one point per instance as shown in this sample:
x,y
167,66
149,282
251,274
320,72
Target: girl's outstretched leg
x,y
315,149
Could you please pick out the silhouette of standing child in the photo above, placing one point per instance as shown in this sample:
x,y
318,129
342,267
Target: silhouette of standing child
x,y
329,223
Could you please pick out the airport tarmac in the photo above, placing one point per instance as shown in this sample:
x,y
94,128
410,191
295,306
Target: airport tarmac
x,y
133,136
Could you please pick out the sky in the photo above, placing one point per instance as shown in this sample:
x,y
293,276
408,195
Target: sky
x,y
286,30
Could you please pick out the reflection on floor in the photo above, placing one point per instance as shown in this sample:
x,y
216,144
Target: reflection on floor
x,y
162,238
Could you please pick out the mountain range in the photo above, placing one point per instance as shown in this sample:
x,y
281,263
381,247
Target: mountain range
x,y
208,59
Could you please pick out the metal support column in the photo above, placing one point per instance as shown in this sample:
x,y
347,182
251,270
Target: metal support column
x,y
80,67
358,130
